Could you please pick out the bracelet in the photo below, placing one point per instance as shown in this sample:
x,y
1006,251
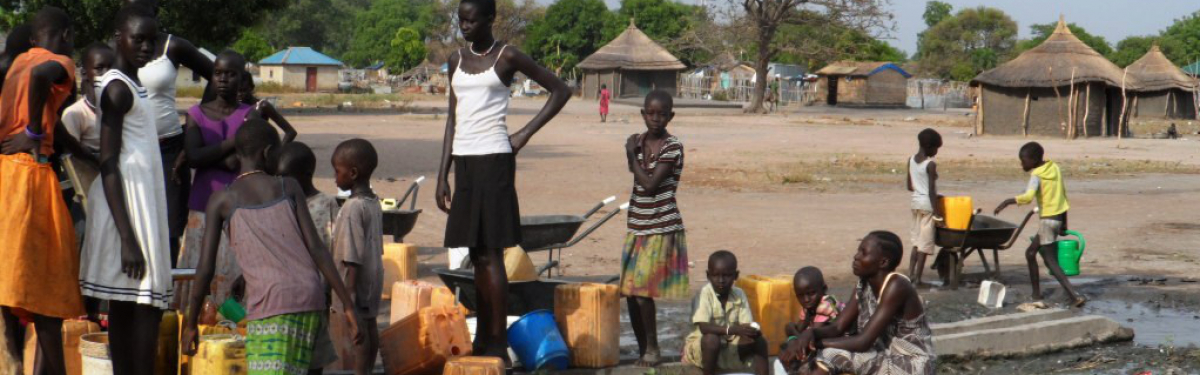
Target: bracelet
x,y
726,330
790,339
36,137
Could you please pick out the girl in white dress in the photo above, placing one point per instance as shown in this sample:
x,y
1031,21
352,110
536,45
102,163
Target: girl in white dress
x,y
126,256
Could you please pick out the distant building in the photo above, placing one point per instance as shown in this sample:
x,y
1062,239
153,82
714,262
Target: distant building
x,y
1164,90
631,65
301,68
1045,89
863,84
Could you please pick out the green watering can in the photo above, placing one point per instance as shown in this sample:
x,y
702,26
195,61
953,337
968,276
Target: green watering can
x,y
1069,252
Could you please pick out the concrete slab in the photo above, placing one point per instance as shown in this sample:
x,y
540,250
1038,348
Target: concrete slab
x,y
1000,321
1032,339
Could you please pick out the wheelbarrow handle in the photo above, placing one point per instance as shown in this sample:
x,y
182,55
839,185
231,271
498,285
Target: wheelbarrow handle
x,y
1020,229
600,205
597,225
412,190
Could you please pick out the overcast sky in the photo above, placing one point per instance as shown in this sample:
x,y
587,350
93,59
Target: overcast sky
x,y
1112,19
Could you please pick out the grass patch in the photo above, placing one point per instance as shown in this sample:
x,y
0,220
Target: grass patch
x,y
355,100
263,89
841,172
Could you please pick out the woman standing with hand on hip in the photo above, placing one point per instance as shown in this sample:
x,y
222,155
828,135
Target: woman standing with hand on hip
x,y
484,213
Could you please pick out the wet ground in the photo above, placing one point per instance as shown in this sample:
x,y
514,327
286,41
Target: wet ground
x,y
1164,313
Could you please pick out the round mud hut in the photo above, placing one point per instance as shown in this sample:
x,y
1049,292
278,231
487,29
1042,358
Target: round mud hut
x,y
1061,88
1164,90
631,65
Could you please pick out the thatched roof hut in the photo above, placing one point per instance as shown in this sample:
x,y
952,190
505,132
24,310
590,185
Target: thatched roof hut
x,y
630,65
1062,87
863,84
1163,90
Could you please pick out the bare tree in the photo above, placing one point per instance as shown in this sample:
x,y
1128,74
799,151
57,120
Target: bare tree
x,y
766,16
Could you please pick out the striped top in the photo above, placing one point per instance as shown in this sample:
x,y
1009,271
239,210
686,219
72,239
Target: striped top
x,y
654,211
281,277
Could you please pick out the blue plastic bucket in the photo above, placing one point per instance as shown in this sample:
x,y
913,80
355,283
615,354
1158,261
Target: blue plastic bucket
x,y
537,342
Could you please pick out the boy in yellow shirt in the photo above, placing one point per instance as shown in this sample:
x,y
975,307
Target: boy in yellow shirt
x,y
1046,186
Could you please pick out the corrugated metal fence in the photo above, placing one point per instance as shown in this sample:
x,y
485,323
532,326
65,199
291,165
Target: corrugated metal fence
x,y
933,93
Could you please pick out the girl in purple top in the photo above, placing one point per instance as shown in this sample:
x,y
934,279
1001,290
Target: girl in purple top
x,y
210,151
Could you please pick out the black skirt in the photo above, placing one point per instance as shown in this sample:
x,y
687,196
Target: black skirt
x,y
484,212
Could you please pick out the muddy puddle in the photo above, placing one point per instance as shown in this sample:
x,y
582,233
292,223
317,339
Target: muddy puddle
x,y
1153,325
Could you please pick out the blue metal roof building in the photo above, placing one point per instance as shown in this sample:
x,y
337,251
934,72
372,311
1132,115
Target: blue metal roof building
x,y
301,68
300,56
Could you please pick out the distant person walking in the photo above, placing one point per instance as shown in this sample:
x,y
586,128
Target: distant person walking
x,y
484,214
604,98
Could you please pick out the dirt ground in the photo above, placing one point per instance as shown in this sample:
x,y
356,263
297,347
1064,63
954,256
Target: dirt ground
x,y
802,187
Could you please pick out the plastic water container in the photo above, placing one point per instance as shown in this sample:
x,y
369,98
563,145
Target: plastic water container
x,y
537,342
589,318
422,343
166,355
473,325
773,304
399,264
93,348
220,354
957,211
72,331
474,366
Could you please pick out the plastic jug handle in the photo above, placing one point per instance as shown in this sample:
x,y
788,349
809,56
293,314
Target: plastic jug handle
x,y
1082,242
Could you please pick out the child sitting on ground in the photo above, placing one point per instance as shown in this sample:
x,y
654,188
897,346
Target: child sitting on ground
x,y
358,242
296,160
272,234
725,336
922,182
1047,186
883,329
817,307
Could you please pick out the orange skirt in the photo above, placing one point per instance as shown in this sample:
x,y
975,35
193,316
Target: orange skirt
x,y
41,272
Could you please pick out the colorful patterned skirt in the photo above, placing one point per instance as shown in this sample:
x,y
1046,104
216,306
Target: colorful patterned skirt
x,y
655,266
281,344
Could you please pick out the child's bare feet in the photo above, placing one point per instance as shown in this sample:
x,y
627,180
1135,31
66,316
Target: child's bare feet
x,y
1079,302
650,359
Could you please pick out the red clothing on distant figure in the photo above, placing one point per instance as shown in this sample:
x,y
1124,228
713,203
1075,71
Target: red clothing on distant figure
x,y
604,96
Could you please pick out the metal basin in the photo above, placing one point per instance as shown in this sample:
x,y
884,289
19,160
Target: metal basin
x,y
540,231
399,223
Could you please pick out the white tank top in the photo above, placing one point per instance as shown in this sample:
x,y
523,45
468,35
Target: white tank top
x,y
919,174
158,77
482,104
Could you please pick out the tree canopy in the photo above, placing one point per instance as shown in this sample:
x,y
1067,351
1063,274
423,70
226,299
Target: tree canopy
x,y
408,50
375,27
812,40
935,12
570,31
252,46
973,40
324,25
189,19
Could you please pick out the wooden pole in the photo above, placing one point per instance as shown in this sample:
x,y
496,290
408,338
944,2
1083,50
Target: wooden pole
x,y
1071,106
1025,116
1124,105
1167,105
1087,106
921,92
979,112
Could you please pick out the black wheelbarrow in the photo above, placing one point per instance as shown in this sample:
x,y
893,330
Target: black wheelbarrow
x,y
523,296
555,232
985,233
399,222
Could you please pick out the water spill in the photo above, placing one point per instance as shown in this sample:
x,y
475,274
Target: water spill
x,y
1152,325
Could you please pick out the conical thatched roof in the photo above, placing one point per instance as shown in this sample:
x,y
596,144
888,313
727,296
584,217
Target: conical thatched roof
x,y
632,50
1155,72
1051,63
